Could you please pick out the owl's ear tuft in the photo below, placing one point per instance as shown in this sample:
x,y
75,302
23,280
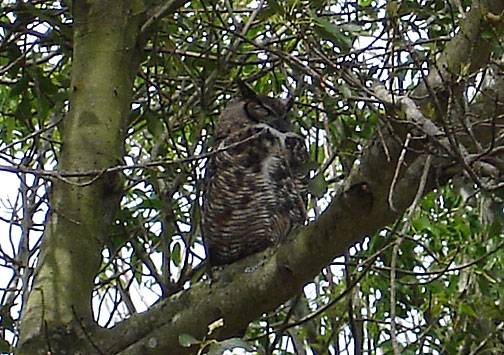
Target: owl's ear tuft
x,y
245,90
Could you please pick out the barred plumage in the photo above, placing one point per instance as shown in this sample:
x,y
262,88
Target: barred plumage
x,y
255,189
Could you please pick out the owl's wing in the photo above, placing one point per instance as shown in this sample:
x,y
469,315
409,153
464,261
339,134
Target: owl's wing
x,y
254,193
238,200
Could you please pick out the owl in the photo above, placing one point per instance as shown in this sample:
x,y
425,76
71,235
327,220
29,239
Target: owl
x,y
255,180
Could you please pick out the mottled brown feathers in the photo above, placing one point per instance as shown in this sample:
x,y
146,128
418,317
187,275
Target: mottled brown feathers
x,y
255,191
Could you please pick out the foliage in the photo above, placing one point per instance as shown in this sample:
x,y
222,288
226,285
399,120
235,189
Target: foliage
x,y
443,258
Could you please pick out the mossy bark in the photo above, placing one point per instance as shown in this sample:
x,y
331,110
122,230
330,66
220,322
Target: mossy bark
x,y
105,58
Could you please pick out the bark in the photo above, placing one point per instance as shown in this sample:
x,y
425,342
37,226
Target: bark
x,y
105,61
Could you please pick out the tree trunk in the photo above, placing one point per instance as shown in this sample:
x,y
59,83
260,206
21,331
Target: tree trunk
x,y
104,65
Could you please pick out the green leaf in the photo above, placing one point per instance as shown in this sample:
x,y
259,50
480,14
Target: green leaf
x,y
345,90
6,321
195,216
392,8
364,3
148,203
421,223
467,309
316,4
20,87
47,86
198,274
333,32
273,8
175,254
317,186
187,340
154,124
277,7
23,110
4,346
13,54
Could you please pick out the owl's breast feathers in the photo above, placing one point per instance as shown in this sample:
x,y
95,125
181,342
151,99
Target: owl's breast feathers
x,y
255,192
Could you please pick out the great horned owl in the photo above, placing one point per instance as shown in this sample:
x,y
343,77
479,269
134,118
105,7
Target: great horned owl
x,y
256,180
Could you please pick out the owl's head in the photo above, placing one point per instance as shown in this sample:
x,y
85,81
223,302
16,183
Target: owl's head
x,y
265,109
251,108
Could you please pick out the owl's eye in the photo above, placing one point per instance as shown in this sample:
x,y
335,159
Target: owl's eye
x,y
257,111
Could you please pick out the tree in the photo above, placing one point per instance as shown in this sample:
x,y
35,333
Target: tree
x,y
107,114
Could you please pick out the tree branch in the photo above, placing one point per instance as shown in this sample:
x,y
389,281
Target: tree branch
x,y
161,11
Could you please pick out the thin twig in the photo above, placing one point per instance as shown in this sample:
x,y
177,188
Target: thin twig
x,y
160,12
395,252
31,135
96,174
400,162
